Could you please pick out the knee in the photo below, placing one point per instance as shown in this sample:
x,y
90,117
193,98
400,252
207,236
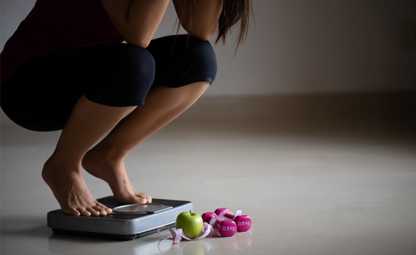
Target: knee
x,y
201,59
130,77
187,59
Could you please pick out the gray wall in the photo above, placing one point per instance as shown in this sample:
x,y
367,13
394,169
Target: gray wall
x,y
302,46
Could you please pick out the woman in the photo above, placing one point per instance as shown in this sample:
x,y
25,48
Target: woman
x,y
86,67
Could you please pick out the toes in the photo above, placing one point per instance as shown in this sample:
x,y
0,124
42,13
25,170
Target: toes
x,y
71,211
144,196
84,211
93,211
141,194
148,198
108,210
100,209
140,200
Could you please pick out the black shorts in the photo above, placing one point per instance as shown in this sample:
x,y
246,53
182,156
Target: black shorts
x,y
41,94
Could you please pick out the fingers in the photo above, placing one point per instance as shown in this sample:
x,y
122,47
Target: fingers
x,y
138,20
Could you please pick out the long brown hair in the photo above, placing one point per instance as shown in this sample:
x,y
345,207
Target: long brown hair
x,y
233,11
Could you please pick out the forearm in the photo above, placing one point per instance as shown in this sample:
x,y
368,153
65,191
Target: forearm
x,y
202,19
136,20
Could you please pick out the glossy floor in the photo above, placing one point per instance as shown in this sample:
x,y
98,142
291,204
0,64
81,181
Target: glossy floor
x,y
334,187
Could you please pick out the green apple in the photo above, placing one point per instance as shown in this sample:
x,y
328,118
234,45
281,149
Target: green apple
x,y
191,223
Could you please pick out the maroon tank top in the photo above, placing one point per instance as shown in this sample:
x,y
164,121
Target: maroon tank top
x,y
53,25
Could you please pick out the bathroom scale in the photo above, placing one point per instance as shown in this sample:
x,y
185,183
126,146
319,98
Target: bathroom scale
x,y
127,222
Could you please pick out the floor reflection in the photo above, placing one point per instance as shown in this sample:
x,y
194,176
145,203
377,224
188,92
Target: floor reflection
x,y
153,244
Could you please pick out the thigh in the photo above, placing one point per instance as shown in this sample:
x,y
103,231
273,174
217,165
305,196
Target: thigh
x,y
41,94
38,97
182,59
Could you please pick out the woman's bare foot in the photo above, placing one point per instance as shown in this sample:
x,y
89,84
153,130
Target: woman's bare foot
x,y
70,189
113,171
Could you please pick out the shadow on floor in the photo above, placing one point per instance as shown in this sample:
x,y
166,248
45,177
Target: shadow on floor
x,y
35,227
24,226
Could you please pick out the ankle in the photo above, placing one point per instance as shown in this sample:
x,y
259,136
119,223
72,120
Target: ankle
x,y
53,169
67,164
110,153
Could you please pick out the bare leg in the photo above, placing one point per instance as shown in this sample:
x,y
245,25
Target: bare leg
x,y
106,159
88,123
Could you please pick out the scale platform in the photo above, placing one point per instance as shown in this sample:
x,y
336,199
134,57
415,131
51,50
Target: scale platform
x,y
127,221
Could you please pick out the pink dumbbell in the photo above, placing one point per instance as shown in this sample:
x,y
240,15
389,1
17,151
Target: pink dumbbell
x,y
225,227
225,212
208,216
243,223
